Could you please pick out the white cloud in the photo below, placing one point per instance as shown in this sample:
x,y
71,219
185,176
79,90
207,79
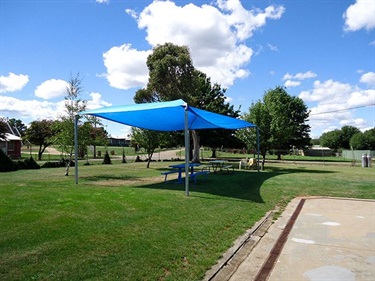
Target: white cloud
x,y
126,67
328,91
37,110
359,122
290,83
52,88
32,109
289,78
372,43
96,101
215,36
246,22
102,1
361,97
300,76
360,15
272,47
332,99
13,82
369,79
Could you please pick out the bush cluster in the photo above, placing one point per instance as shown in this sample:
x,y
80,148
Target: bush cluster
x,y
58,164
8,165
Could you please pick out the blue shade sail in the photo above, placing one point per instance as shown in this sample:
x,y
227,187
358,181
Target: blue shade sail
x,y
167,116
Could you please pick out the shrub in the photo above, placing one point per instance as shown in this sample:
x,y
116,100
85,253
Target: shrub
x,y
107,159
57,164
28,164
6,164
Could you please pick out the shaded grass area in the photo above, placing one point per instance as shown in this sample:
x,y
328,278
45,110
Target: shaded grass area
x,y
123,223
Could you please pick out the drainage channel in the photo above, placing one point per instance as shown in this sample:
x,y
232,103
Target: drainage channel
x,y
231,260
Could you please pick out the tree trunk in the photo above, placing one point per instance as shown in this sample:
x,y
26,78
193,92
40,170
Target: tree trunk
x,y
213,155
263,161
278,156
149,157
196,139
40,152
94,151
68,164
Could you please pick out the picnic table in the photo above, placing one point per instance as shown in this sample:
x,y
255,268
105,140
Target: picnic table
x,y
219,166
180,168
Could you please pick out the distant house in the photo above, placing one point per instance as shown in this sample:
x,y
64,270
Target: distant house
x,y
317,150
11,145
118,142
12,142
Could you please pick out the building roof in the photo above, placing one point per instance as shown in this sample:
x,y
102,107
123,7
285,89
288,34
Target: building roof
x,y
10,137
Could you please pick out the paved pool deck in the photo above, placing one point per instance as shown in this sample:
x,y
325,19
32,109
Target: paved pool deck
x,y
314,239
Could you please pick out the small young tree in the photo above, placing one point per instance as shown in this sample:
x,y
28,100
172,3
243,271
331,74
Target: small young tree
x,y
149,140
73,105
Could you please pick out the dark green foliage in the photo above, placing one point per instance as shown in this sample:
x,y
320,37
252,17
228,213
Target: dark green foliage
x,y
57,164
3,129
107,159
363,141
41,133
28,164
281,120
342,139
6,164
346,134
19,125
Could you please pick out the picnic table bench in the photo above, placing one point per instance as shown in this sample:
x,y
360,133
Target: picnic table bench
x,y
221,166
168,173
194,175
180,168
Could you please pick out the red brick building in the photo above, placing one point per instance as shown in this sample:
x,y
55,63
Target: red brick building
x,y
11,145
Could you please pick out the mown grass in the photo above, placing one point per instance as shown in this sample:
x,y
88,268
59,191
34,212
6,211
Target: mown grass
x,y
123,223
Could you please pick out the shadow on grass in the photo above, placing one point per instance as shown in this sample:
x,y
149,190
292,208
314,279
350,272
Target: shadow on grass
x,y
241,185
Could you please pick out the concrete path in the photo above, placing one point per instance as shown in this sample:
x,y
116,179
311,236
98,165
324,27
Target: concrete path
x,y
314,239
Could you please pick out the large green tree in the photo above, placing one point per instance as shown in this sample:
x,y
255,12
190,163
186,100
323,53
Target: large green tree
x,y
331,139
41,133
363,141
173,76
346,134
339,138
281,120
212,98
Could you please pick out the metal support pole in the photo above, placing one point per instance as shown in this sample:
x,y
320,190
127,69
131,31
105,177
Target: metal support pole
x,y
187,151
76,147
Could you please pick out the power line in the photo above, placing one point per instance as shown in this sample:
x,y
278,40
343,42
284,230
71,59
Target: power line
x,y
345,109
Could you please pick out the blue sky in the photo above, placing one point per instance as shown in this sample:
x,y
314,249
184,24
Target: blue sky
x,y
321,51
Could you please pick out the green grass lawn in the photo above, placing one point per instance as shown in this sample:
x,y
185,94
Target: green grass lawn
x,y
123,223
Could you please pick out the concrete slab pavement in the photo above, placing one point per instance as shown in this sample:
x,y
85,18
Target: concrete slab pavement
x,y
314,239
